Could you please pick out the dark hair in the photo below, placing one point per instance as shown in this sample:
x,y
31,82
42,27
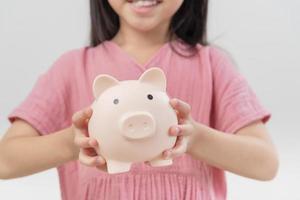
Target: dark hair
x,y
188,24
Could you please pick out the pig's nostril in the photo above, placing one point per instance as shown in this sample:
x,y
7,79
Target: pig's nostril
x,y
146,126
130,127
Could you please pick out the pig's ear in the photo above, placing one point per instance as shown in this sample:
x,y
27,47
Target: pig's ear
x,y
102,83
156,77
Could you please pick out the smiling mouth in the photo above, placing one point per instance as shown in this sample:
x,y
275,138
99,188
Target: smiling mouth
x,y
144,3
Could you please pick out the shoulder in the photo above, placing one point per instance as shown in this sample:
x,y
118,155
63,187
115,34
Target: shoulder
x,y
213,52
74,61
64,62
80,57
218,58
71,58
62,70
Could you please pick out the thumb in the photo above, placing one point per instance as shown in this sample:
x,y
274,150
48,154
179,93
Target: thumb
x,y
81,118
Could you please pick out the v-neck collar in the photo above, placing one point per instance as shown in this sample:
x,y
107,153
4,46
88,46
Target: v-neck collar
x,y
124,54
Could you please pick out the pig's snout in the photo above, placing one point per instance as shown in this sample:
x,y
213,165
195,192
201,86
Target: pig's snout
x,y
137,125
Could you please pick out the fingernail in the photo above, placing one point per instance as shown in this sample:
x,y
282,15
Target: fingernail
x,y
99,160
176,131
93,143
174,102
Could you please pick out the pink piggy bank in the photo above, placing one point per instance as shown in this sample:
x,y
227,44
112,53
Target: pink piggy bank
x,y
131,120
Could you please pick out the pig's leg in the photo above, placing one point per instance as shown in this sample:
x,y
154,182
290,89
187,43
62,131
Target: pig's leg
x,y
157,162
114,166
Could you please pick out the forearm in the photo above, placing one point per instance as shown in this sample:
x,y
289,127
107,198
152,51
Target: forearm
x,y
23,156
243,155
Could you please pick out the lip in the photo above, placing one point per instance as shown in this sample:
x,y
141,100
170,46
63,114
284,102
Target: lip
x,y
130,1
143,10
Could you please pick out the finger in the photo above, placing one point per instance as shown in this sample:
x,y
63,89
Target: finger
x,y
178,142
102,167
80,132
82,142
85,142
178,149
182,107
93,142
80,121
177,114
89,151
80,118
179,120
181,130
90,160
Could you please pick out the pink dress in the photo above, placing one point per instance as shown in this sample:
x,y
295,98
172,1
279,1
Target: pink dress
x,y
219,96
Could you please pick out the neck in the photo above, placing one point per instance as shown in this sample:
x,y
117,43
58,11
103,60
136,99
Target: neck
x,y
130,37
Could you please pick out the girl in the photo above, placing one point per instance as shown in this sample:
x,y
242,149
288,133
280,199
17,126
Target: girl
x,y
219,115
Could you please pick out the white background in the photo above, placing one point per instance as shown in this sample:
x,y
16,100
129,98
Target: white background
x,y
262,37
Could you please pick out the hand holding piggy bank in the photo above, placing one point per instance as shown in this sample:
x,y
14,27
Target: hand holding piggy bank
x,y
131,120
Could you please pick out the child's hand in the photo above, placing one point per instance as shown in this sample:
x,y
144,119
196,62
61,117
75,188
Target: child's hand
x,y
87,145
184,130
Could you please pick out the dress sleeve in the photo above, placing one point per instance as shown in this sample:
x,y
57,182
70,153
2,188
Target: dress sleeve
x,y
46,106
235,105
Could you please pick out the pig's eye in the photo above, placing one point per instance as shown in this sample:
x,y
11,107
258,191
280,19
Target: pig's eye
x,y
116,101
149,96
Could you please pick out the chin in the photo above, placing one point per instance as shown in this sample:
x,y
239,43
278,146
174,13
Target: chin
x,y
146,25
